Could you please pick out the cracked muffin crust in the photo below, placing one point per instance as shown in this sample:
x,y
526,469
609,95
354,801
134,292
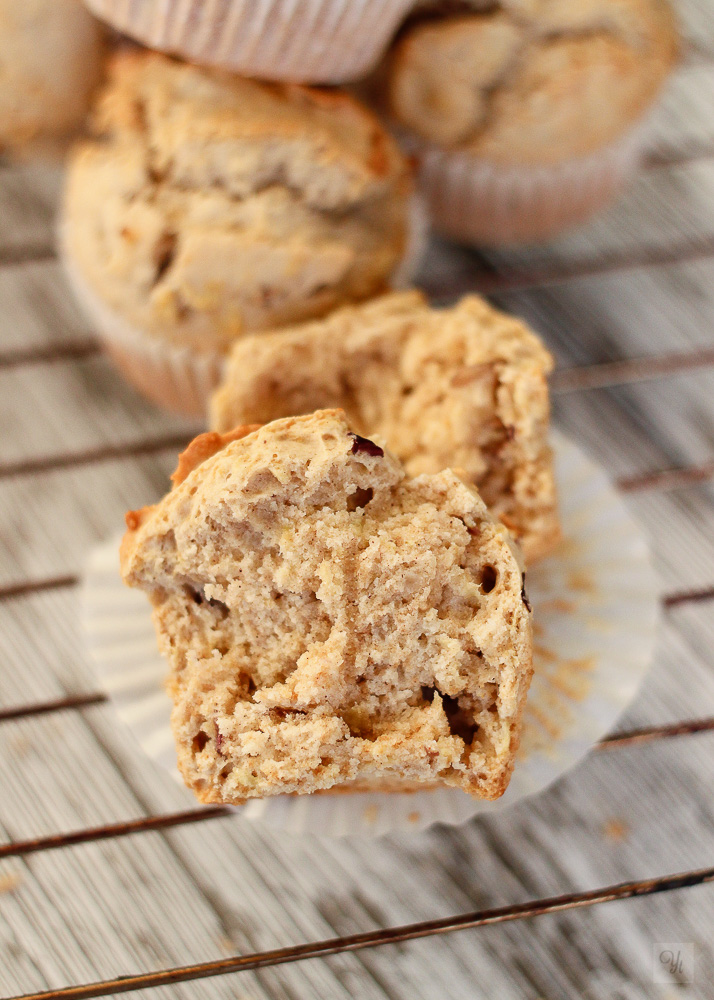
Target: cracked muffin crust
x,y
463,387
51,56
330,623
209,204
530,81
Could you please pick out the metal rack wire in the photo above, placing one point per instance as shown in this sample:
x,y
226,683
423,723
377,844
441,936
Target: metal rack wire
x,y
392,935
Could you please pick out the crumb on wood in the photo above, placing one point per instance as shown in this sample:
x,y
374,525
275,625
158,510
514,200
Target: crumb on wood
x,y
10,882
616,830
581,581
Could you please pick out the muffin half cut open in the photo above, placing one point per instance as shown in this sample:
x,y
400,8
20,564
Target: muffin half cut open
x,y
330,623
463,388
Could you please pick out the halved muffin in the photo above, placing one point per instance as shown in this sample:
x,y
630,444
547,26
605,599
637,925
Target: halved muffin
x,y
331,623
463,388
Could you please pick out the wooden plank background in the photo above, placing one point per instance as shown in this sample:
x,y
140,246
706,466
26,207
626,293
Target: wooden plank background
x,y
78,447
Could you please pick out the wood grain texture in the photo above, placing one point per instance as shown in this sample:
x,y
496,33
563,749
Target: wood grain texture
x,y
371,939
637,282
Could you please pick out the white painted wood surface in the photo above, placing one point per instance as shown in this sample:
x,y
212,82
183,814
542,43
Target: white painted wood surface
x,y
638,281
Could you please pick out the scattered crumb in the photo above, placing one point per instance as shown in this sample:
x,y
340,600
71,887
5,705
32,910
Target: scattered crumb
x,y
544,654
599,625
579,580
572,677
22,745
547,724
570,548
559,604
549,713
10,882
616,830
414,817
226,945
370,814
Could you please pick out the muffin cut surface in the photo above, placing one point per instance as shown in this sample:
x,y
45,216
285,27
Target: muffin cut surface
x,y
330,623
460,388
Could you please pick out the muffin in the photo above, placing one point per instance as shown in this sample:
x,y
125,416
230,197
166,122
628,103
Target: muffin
x,y
330,623
463,387
527,116
209,205
311,41
51,54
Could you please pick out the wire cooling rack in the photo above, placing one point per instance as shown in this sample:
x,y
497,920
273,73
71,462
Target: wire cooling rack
x,y
523,282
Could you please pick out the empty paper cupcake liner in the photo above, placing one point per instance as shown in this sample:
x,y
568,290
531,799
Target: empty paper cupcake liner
x,y
476,201
176,377
304,41
595,604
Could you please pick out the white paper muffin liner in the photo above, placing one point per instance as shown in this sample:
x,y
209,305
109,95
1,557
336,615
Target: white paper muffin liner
x,y
476,201
177,377
170,375
595,607
304,41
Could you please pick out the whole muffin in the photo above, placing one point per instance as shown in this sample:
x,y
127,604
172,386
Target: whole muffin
x,y
209,205
51,54
549,89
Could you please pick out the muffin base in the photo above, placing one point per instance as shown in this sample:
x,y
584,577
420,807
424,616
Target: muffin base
x,y
304,41
474,201
176,378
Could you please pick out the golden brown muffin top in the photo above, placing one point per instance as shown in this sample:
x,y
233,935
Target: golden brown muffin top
x,y
530,81
209,204
206,126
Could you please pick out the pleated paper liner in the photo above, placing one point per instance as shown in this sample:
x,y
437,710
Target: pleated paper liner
x,y
494,204
595,603
302,41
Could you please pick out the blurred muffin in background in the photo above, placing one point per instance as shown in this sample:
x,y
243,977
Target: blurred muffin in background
x,y
526,115
311,41
209,205
51,54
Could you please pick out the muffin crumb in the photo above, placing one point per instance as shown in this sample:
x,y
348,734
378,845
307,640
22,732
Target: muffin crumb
x,y
314,646
462,388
